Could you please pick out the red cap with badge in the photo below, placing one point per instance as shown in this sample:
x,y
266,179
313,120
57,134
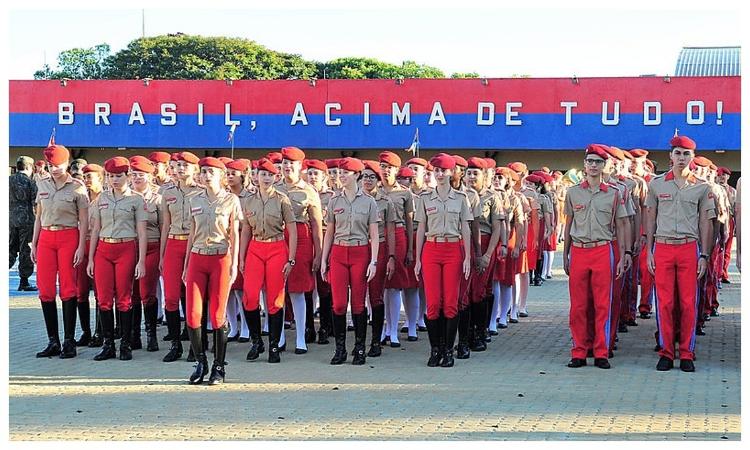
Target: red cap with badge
x,y
490,163
56,154
351,164
93,168
460,161
159,157
417,162
187,157
140,163
267,165
598,150
373,166
518,167
405,172
443,161
274,157
292,154
702,161
210,161
476,163
316,164
723,171
237,164
390,158
118,164
683,142
332,163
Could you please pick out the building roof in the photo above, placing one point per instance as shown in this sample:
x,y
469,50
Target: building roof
x,y
708,62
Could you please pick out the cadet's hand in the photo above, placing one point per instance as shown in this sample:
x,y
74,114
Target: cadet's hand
x,y
484,262
390,268
417,268
232,274
316,263
324,271
286,270
503,251
566,264
467,267
516,252
90,268
371,269
409,258
140,270
78,257
702,264
33,253
184,276
650,263
161,265
241,266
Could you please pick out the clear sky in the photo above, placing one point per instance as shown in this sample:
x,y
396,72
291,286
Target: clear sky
x,y
540,42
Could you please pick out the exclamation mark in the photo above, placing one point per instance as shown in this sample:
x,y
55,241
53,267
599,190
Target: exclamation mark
x,y
719,108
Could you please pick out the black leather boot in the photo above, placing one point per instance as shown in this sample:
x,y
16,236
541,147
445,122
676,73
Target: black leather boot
x,y
135,334
96,339
275,328
339,334
326,320
173,323
117,330
478,324
253,323
309,318
184,335
433,333
150,312
201,366
451,326
126,320
108,345
360,337
49,309
69,328
378,315
84,317
218,371
464,319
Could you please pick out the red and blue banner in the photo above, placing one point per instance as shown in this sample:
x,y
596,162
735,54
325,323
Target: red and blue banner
x,y
482,114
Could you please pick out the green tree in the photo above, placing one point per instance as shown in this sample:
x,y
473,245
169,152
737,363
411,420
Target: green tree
x,y
370,68
78,64
465,75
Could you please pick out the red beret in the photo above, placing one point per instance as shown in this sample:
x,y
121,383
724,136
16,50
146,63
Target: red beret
x,y
443,161
351,164
627,155
210,161
724,171
638,153
598,150
507,172
544,176
332,163
490,162
274,157
405,172
374,166
187,157
475,163
429,167
417,162
237,164
225,160
650,164
56,154
316,164
267,165
460,161
713,167
140,163
534,179
390,158
254,164
174,156
682,141
159,157
246,161
702,161
518,167
614,152
557,173
93,168
118,164
292,154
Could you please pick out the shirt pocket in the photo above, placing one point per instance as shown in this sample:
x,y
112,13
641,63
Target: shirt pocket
x,y
453,217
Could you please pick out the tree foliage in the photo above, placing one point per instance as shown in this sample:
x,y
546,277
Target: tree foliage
x,y
78,63
465,75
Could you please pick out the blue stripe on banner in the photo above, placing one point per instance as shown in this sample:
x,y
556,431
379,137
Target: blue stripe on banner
x,y
697,301
537,132
656,303
608,323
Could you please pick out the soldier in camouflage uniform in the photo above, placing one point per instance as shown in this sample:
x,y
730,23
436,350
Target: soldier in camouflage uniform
x,y
22,194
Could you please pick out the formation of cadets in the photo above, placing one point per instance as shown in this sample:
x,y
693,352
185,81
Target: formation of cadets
x,y
456,241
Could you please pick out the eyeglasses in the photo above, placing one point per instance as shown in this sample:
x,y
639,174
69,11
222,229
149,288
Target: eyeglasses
x,y
370,177
594,162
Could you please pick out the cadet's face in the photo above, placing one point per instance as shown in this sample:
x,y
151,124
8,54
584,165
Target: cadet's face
x,y
58,171
418,171
184,169
117,180
369,180
265,178
404,181
140,179
291,168
593,165
443,176
210,175
681,157
347,177
92,180
389,172
722,178
475,177
315,177
234,177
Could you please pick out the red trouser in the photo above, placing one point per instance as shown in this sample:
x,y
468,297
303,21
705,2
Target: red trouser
x,y
728,251
464,285
592,272
532,241
301,278
54,255
264,266
114,269
376,286
676,265
83,282
442,270
174,263
207,278
481,285
348,269
505,268
150,280
647,283
400,278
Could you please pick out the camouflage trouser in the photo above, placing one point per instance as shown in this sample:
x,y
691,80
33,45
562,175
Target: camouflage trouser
x,y
20,237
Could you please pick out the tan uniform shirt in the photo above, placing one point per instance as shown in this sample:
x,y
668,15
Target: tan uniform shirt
x,y
488,211
92,210
515,207
416,199
593,212
118,216
213,225
60,206
352,219
731,196
302,196
444,218
721,203
325,197
177,202
678,208
153,204
267,218
403,202
386,212
533,199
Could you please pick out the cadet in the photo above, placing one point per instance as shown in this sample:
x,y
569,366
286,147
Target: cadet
x,y
678,234
594,217
22,197
57,247
443,250
238,327
352,222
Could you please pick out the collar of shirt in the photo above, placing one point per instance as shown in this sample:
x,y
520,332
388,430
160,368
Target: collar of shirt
x,y
691,178
602,185
451,194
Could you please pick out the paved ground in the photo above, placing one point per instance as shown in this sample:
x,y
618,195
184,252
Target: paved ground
x,y
519,389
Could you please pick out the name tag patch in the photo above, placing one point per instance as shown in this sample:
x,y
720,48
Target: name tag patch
x,y
103,205
44,195
665,196
431,209
338,210
579,207
196,210
171,199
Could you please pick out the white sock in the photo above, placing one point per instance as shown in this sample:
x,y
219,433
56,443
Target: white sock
x,y
506,298
299,309
495,305
549,266
422,308
282,339
545,263
387,315
395,307
411,304
160,299
232,313
516,294
523,293
265,309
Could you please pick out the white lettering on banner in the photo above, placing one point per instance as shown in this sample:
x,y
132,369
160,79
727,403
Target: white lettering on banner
x,y
366,118
299,115
328,108
401,116
136,115
605,112
200,114
568,111
481,108
65,113
228,115
101,113
647,108
690,114
168,114
510,114
437,114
